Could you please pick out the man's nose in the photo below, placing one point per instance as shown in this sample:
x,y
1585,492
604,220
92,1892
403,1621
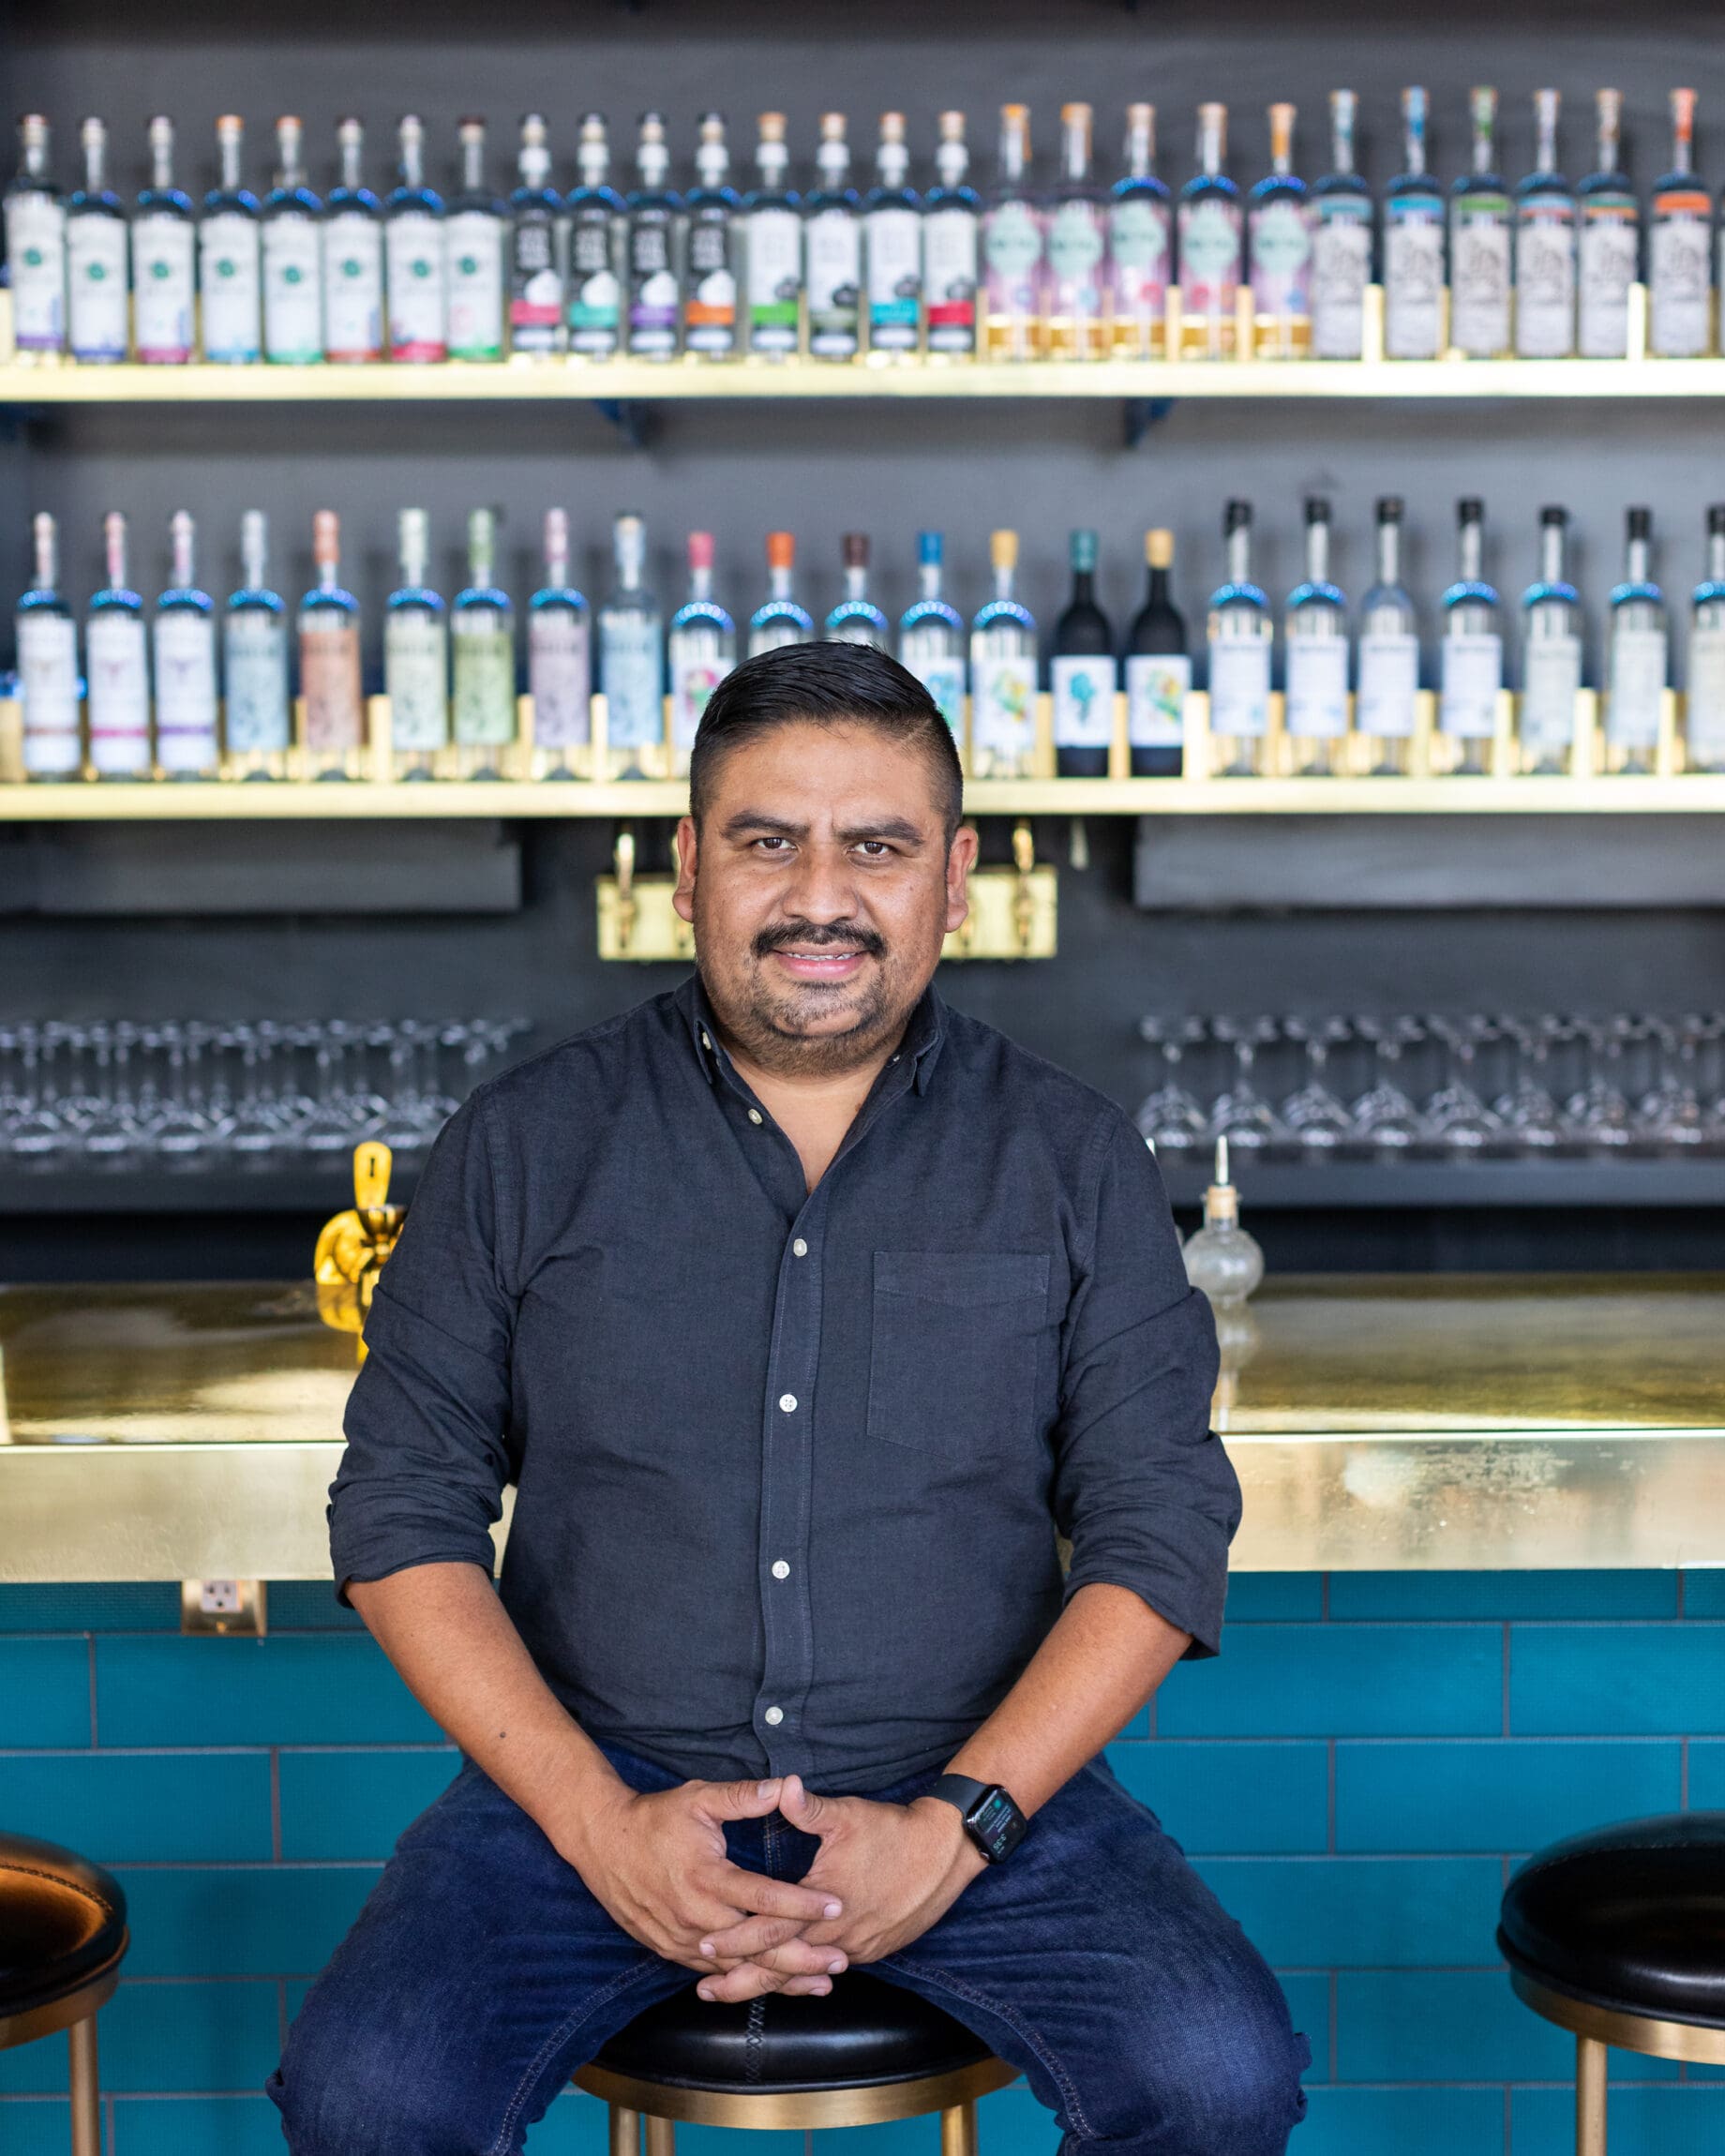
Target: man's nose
x,y
823,886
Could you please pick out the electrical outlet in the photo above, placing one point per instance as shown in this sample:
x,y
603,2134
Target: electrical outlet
x,y
236,1608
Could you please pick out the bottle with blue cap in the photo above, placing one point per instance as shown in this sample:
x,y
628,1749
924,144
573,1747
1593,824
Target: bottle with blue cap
x,y
931,637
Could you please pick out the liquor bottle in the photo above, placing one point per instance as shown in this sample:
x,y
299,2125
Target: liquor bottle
x,y
1414,245
1074,282
292,259
476,244
119,668
1003,675
1679,248
1637,664
1279,234
481,642
1140,245
1545,247
631,661
536,281
1013,247
1609,246
254,654
353,259
831,243
329,682
228,274
164,260
1705,718
1157,671
1341,242
187,739
95,259
779,621
893,246
1082,673
595,218
1481,225
415,657
1223,1260
952,222
713,206
1472,652
559,659
1241,637
414,277
1550,654
931,637
1315,653
701,646
856,618
48,665
1211,226
773,226
1389,665
653,210
35,247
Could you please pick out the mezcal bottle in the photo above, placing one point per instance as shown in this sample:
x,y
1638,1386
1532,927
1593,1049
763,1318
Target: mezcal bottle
x,y
475,237
1637,661
951,223
1550,653
48,665
1704,722
892,247
1003,674
856,618
1545,247
1279,231
702,646
1481,226
779,620
1472,649
1140,245
1680,248
595,218
1413,244
1241,637
164,260
1341,242
715,206
35,247
1074,282
188,745
1315,653
118,661
1211,226
413,257
558,660
653,210
931,637
329,679
229,268
833,260
482,639
536,281
1609,246
292,259
1013,247
97,285
1157,671
254,656
415,657
773,237
353,259
1388,667
631,661
1082,673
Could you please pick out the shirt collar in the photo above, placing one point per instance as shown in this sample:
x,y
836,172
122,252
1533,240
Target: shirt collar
x,y
925,1031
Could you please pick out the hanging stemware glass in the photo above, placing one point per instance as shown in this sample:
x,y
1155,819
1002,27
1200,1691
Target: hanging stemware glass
x,y
1169,1118
1239,1113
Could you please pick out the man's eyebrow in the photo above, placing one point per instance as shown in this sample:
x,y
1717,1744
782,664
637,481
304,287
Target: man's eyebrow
x,y
758,820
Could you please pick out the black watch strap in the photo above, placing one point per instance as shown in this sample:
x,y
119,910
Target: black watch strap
x,y
960,1790
993,1821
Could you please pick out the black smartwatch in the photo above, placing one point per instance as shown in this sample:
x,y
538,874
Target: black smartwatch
x,y
991,1821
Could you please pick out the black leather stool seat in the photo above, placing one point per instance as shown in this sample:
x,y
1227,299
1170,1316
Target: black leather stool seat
x,y
1630,1918
865,2032
62,1924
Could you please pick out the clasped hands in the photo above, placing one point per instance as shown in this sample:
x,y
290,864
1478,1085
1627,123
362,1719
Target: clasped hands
x,y
884,1874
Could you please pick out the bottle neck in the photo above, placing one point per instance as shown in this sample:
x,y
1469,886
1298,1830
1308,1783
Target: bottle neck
x,y
413,162
652,164
628,567
834,163
472,164
231,164
1012,156
1606,149
1635,560
856,583
892,164
778,582
1318,553
327,574
952,163
1716,557
772,161
1342,142
1141,150
290,172
1545,154
700,583
1389,552
114,549
161,163
33,163
1211,147
1003,580
95,165
1470,552
412,553
1157,595
713,166
556,567
1282,145
1551,554
1075,151
185,554
1683,144
352,152
1483,130
1240,554
47,554
1413,146
252,553
1084,587
928,579
534,165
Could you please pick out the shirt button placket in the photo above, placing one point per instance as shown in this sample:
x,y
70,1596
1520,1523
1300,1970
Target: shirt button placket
x,y
785,1524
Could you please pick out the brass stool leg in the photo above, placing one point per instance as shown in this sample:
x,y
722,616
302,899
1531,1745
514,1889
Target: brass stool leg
x,y
626,2131
661,2136
86,2098
958,2129
1590,2062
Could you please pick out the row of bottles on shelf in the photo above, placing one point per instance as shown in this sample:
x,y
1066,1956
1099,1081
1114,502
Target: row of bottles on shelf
x,y
223,699
1078,270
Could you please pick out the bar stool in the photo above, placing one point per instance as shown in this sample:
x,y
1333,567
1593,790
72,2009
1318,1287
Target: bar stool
x,y
63,1937
1619,1935
868,2051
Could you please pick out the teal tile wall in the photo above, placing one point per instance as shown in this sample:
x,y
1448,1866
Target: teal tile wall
x,y
1355,1775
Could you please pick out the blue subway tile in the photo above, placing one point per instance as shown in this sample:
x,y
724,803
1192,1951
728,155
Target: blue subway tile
x,y
1652,1680
192,1921
123,1605
1646,2121
1012,2122
35,2129
1410,2121
195,2126
163,2037
1453,2025
1363,1912
1707,1778
1501,1795
309,1606
575,2125
1255,1598
1503,1595
44,1692
738,2141
1704,1592
896,2137
1232,1799
354,1804
1307,1992
1325,1679
141,1807
299,1689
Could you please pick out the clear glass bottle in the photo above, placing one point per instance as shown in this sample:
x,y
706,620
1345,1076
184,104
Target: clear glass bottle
x,y
1140,260
1315,655
292,258
117,658
773,234
1550,654
1414,245
258,715
353,259
475,248
1389,665
1074,280
1081,674
48,665
1279,222
1158,670
856,618
560,662
1704,713
1638,662
97,285
1003,674
35,247
952,233
1481,235
714,208
1221,1259
482,640
653,211
164,260
1608,244
1211,226
1341,242
333,735
595,220
702,646
1545,246
230,273
632,661
832,249
892,249
1680,248
414,272
779,620
1013,247
416,656
1472,652
535,280
1241,636
187,731
931,637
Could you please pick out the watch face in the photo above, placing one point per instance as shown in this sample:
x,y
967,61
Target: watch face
x,y
996,1823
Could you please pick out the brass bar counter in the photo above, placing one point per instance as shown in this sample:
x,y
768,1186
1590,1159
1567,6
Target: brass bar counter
x,y
1430,1423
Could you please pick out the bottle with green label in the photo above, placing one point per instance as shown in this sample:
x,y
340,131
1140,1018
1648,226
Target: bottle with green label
x,y
35,247
481,628
1211,233
164,265
773,239
595,218
292,259
417,657
95,259
229,274
832,248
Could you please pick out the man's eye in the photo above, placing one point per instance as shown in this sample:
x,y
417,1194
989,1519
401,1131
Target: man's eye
x,y
772,842
876,848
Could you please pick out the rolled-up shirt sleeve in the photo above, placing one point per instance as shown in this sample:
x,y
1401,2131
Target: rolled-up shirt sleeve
x,y
1143,1488
422,1479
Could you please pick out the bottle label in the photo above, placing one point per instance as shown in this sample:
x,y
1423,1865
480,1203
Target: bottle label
x,y
559,674
895,279
1679,248
1551,675
693,681
776,279
944,680
709,311
653,286
96,294
1479,278
1388,682
1077,242
1156,687
255,651
1003,709
835,271
1341,269
329,682
1705,717
1239,687
1413,281
48,679
36,256
119,692
165,280
949,271
1013,251
1609,246
1637,688
1083,702
1473,673
228,279
473,266
413,257
630,672
1209,255
1317,687
595,294
485,687
292,301
535,290
416,675
352,288
1282,259
1141,255
186,692
1545,278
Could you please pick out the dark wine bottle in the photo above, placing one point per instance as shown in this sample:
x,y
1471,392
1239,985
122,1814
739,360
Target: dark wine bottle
x,y
1083,674
1157,671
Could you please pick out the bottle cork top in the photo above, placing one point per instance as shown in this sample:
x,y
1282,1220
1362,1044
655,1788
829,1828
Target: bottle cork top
x,y
781,549
951,127
1158,549
771,127
854,547
325,537
700,549
1003,550
892,126
833,126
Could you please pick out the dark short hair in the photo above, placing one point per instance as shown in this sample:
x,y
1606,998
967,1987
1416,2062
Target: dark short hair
x,y
825,684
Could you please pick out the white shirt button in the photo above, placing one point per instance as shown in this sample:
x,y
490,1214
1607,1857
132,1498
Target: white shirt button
x,y
773,1714
754,1114
788,1401
800,1247
780,1570
706,1043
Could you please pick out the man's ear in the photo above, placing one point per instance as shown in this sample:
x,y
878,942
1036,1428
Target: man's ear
x,y
960,860
682,898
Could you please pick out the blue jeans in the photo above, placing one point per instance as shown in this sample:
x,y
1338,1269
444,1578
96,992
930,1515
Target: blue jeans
x,y
481,1973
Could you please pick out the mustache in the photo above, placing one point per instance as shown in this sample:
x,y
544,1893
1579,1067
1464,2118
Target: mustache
x,y
805,934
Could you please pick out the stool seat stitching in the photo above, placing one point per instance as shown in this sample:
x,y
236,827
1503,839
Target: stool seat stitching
x,y
77,1886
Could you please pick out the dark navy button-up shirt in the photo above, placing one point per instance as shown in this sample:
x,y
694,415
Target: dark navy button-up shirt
x,y
789,1464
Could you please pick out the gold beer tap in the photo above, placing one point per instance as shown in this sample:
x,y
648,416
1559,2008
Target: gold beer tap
x,y
1024,900
353,1247
625,889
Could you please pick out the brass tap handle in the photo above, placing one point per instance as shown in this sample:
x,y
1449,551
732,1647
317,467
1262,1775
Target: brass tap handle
x,y
1024,901
372,1162
353,1247
624,856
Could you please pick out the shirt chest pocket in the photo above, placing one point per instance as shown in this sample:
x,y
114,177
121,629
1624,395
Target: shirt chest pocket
x,y
953,1361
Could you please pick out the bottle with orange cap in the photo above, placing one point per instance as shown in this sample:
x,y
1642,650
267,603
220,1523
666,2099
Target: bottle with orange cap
x,y
1003,675
333,727
832,248
1013,239
779,620
773,242
1073,318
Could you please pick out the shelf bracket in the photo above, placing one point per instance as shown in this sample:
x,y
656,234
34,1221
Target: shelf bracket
x,y
632,419
1140,414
